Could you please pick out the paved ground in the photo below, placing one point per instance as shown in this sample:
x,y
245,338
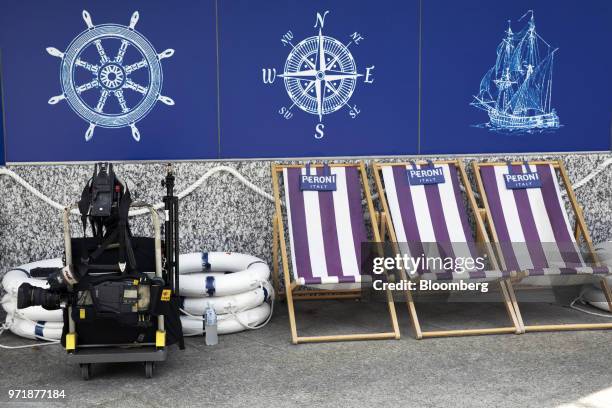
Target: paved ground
x,y
262,368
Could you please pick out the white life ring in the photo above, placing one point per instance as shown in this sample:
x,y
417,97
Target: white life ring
x,y
235,285
36,313
35,330
244,273
196,306
594,296
227,304
228,323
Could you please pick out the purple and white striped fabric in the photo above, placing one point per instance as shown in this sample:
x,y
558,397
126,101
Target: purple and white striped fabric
x,y
431,220
326,228
532,224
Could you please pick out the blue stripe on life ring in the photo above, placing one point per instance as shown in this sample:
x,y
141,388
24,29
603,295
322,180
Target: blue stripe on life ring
x,y
38,329
265,293
205,263
210,285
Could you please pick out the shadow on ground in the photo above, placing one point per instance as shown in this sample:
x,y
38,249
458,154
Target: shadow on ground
x,y
262,368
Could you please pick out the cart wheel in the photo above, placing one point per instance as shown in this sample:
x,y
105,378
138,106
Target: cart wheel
x,y
85,371
149,366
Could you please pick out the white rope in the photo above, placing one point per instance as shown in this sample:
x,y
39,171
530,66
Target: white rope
x,y
270,290
157,206
257,190
31,189
6,325
247,326
230,170
593,174
580,309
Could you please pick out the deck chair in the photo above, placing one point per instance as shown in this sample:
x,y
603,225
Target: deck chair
x,y
326,230
532,232
436,214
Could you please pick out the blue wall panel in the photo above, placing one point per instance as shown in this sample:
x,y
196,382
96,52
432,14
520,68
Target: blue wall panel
x,y
251,39
1,119
38,131
2,161
226,105
460,40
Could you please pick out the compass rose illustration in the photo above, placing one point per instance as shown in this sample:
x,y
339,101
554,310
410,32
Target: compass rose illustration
x,y
320,75
111,91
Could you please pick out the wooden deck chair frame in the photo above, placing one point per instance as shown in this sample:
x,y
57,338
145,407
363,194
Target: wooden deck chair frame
x,y
481,236
580,231
292,291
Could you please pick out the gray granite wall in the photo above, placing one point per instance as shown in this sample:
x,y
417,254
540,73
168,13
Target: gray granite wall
x,y
222,215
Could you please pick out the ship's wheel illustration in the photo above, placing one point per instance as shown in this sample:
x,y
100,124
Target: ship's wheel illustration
x,y
320,74
111,75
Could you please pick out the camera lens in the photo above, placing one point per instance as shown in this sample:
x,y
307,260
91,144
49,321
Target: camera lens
x,y
28,295
24,296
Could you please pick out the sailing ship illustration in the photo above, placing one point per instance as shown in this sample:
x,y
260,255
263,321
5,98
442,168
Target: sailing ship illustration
x,y
516,92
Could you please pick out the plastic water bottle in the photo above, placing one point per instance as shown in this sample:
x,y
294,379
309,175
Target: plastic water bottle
x,y
210,326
